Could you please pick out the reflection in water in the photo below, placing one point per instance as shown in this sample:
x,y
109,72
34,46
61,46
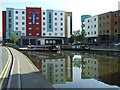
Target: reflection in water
x,y
63,67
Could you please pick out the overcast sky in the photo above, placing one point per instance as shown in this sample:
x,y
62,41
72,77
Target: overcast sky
x,y
77,7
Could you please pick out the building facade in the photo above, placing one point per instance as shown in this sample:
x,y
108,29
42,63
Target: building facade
x,y
91,29
35,26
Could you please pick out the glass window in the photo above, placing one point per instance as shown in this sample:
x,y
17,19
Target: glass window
x,y
29,12
88,33
23,28
61,29
16,28
9,13
115,23
43,23
16,17
55,24
103,24
30,33
43,13
23,18
91,33
61,24
107,23
16,12
94,32
43,18
16,23
115,15
55,13
37,12
55,29
100,25
37,33
100,32
23,23
107,31
103,31
88,27
119,14
37,28
30,28
49,34
23,34
37,17
55,18
43,33
103,17
99,18
115,30
37,23
61,34
23,12
88,21
61,19
94,26
29,17
94,19
44,29
61,14
107,16
55,34
29,23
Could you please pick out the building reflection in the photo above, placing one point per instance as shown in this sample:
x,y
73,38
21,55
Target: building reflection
x,y
105,69
57,71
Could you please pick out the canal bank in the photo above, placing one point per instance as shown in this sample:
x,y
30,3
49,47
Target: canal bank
x,y
24,74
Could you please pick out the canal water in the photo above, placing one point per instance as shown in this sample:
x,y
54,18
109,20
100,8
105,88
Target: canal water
x,y
75,69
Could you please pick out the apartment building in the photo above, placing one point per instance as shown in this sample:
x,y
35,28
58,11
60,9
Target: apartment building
x,y
91,29
35,26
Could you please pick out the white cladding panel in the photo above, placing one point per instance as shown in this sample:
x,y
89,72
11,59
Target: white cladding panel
x,y
91,26
20,21
68,26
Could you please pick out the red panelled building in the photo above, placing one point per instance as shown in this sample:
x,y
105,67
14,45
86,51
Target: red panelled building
x,y
33,21
4,24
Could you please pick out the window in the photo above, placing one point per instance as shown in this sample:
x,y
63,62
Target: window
x,y
43,33
16,12
103,17
37,23
16,23
115,15
23,28
55,13
61,19
100,25
103,24
23,18
88,21
30,28
103,31
37,33
91,26
23,23
115,23
37,28
16,28
88,33
55,29
55,18
49,34
43,23
16,33
107,23
99,18
37,12
37,17
94,32
55,34
30,33
29,17
61,24
91,33
94,19
9,13
44,29
61,14
43,13
107,31
115,30
23,12
119,22
43,18
107,16
55,24
88,27
61,29
16,17
61,34
29,23
94,26
119,15
29,12
23,34
100,32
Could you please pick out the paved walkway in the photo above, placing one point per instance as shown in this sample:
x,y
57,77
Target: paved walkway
x,y
24,74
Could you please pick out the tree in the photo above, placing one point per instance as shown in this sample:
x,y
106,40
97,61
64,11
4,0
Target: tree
x,y
71,39
14,37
